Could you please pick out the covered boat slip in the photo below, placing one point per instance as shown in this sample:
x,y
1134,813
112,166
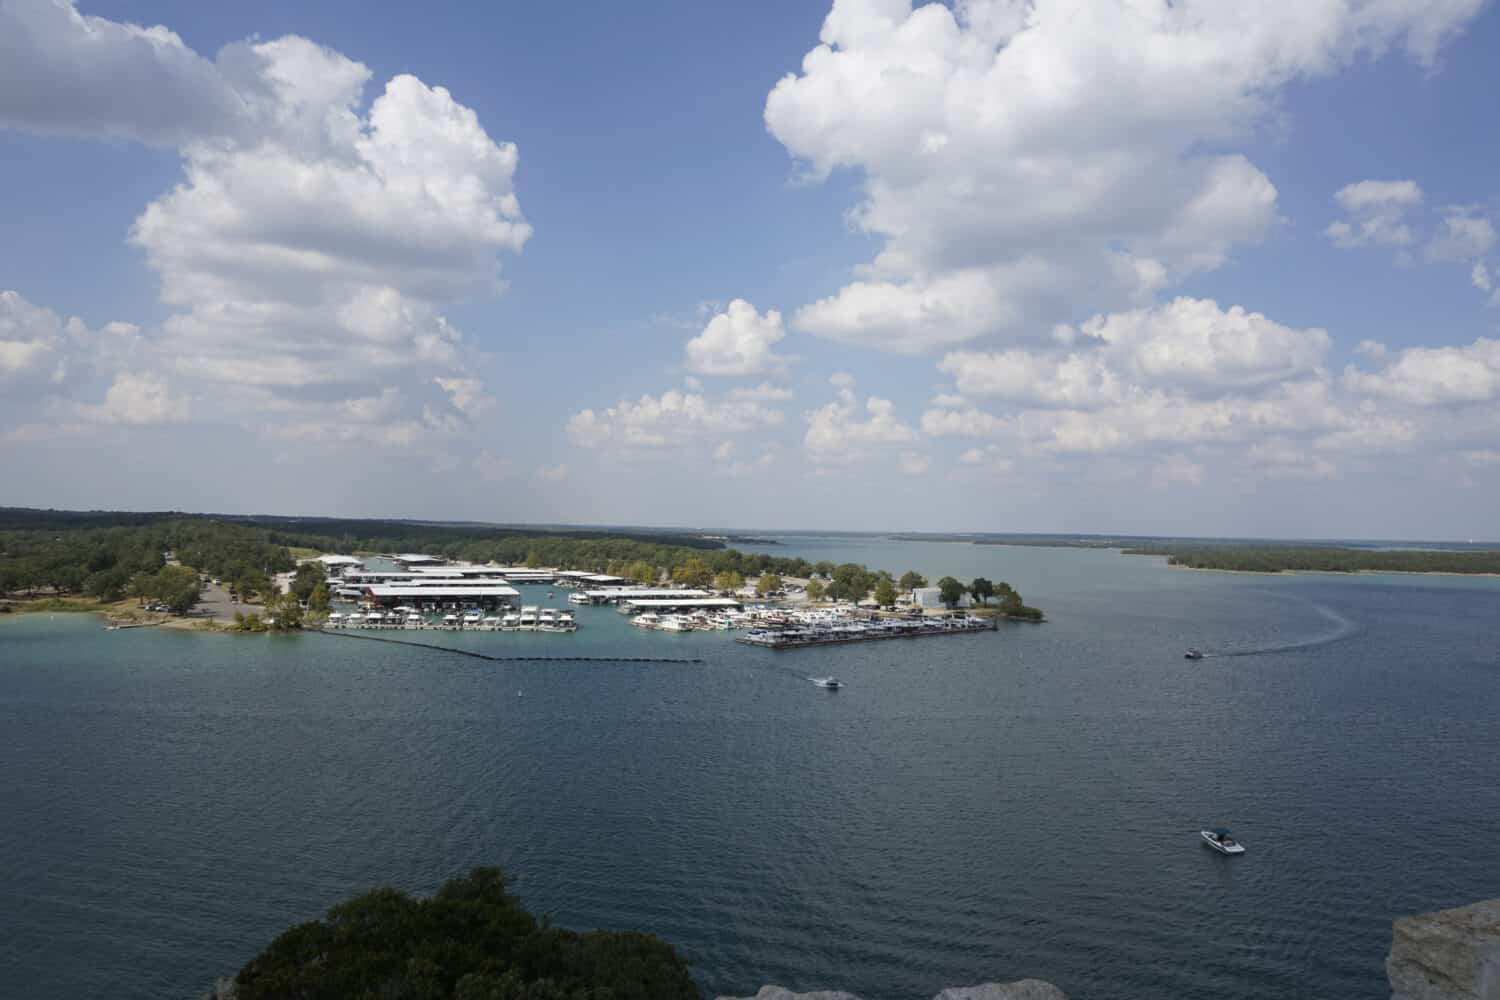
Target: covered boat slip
x,y
632,605
437,595
828,634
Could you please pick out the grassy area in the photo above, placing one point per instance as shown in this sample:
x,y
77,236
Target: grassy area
x,y
300,552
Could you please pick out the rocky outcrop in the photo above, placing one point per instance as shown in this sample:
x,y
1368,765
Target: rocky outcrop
x,y
1447,955
1024,989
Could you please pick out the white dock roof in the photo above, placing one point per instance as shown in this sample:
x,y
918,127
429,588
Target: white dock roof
x,y
690,602
631,593
435,589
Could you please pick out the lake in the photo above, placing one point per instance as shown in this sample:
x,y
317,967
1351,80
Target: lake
x,y
967,808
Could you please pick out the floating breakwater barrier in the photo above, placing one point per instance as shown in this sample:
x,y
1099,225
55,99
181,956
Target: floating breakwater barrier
x,y
475,654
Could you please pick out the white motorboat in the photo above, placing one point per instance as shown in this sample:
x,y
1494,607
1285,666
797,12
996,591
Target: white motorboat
x,y
1220,840
827,683
648,620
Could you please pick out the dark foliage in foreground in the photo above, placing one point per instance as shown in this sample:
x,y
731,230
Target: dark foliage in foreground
x,y
471,941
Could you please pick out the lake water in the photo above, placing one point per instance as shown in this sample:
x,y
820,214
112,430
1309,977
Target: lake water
x,y
968,808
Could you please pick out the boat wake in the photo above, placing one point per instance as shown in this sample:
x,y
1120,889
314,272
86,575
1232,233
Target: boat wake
x,y
1343,629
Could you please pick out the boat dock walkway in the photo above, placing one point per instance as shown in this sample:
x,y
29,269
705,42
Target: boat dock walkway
x,y
800,637
475,654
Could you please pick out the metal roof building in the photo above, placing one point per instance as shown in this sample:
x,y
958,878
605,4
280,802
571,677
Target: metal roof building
x,y
461,593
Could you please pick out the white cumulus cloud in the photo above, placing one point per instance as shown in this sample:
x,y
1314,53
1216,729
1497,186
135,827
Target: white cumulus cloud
x,y
737,341
674,418
1435,375
843,432
1015,158
315,238
1375,210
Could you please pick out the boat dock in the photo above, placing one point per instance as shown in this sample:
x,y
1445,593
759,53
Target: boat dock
x,y
800,636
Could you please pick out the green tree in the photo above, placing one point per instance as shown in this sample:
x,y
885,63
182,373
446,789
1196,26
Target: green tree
x,y
309,575
694,574
317,601
911,580
885,593
471,941
768,584
283,612
982,589
177,587
814,589
951,591
642,572
728,582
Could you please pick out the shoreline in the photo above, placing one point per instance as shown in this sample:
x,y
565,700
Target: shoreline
x,y
1328,572
111,616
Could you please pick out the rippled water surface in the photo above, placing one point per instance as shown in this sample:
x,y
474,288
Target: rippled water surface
x,y
967,808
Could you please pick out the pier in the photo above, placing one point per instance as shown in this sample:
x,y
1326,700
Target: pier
x,y
799,637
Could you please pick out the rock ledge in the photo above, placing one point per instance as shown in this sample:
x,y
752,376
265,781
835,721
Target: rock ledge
x,y
1024,989
1447,955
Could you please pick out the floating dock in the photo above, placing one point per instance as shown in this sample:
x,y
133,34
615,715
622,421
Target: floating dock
x,y
799,637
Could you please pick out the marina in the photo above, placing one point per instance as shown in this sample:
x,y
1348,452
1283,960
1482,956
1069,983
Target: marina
x,y
529,619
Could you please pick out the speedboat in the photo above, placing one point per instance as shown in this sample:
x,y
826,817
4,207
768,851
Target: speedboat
x,y
1220,840
828,683
1193,654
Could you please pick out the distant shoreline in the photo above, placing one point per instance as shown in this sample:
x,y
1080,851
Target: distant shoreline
x,y
1323,572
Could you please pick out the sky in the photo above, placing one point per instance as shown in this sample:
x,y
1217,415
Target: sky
x,y
1113,266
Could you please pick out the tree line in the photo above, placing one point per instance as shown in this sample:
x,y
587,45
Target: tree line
x,y
1279,558
67,552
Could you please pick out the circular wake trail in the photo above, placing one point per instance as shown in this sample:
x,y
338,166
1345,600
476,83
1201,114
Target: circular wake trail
x,y
1343,629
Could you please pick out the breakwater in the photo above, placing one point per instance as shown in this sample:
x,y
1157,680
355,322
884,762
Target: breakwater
x,y
798,637
475,654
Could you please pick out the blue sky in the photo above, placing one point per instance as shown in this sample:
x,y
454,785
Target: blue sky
x,y
1030,269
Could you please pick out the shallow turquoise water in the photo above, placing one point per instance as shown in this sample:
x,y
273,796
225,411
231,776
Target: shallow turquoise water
x,y
967,808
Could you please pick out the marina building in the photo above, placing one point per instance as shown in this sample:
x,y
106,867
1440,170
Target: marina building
x,y
409,560
525,574
439,595
583,578
609,595
929,598
334,567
